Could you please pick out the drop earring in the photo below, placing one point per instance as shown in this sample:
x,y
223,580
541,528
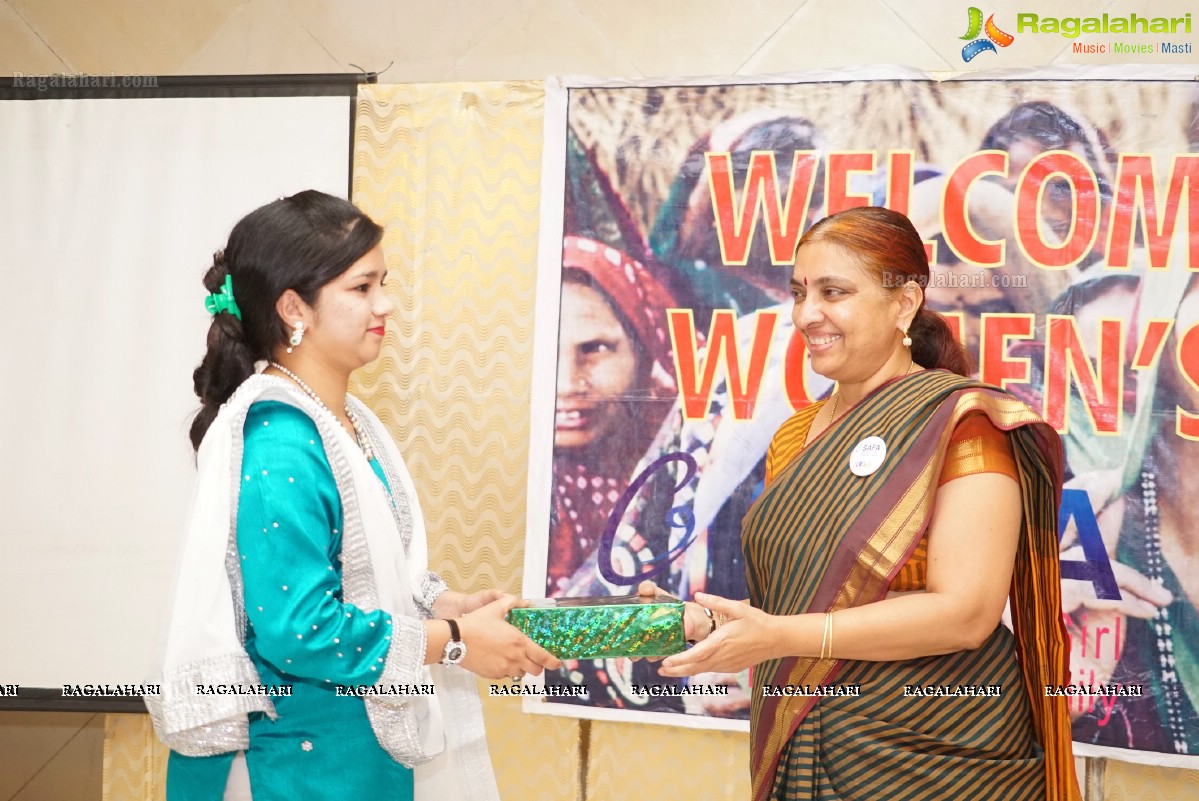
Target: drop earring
x,y
907,340
297,335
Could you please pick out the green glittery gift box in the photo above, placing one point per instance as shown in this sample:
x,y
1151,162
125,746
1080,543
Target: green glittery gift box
x,y
604,628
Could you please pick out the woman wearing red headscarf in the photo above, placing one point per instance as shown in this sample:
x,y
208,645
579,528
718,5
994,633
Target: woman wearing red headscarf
x,y
615,384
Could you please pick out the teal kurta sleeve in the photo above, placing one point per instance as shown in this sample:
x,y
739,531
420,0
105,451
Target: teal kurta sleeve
x,y
288,534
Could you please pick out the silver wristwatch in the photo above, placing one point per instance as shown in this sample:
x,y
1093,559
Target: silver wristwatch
x,y
455,649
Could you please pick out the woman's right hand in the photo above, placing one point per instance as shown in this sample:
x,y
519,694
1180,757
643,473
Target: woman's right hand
x,y
496,649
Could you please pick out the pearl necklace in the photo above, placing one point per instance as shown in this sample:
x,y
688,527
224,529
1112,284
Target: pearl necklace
x,y
358,437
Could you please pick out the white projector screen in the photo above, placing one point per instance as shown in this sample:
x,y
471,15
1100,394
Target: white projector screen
x,y
110,210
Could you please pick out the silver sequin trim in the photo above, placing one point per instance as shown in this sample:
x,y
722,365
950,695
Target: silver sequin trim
x,y
431,588
405,665
394,718
205,725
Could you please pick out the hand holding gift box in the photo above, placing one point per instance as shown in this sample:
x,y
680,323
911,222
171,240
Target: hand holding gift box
x,y
606,627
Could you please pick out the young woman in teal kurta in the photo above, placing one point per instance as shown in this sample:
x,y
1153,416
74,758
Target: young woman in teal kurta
x,y
303,569
300,632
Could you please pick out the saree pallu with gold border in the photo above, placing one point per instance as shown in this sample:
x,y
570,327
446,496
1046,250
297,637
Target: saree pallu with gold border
x,y
821,539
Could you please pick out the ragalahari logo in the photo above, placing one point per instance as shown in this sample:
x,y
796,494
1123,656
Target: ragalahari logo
x,y
993,37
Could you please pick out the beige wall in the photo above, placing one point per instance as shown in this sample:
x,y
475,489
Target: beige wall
x,y
57,756
470,40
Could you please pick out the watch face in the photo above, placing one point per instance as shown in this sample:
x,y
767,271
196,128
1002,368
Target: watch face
x,y
454,653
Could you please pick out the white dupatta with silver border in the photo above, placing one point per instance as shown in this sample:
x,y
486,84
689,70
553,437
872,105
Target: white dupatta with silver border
x,y
384,566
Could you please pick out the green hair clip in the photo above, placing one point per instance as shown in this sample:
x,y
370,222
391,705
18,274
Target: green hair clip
x,y
223,301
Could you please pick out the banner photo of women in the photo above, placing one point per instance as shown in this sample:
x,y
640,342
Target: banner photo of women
x,y
1061,220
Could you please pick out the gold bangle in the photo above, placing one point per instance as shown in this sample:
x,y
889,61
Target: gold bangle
x,y
826,649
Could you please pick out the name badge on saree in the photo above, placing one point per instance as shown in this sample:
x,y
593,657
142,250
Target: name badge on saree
x,y
867,456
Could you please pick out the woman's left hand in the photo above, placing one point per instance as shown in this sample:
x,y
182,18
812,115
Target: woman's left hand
x,y
456,604
745,638
696,623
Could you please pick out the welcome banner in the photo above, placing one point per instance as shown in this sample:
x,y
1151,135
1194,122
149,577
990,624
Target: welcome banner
x,y
1061,220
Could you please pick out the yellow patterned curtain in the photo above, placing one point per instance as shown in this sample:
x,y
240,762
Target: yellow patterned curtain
x,y
135,762
452,171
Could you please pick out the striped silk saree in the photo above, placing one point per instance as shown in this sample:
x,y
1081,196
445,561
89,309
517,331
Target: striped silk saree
x,y
821,539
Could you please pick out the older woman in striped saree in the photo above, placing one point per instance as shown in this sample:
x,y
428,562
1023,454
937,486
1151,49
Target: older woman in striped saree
x,y
899,517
